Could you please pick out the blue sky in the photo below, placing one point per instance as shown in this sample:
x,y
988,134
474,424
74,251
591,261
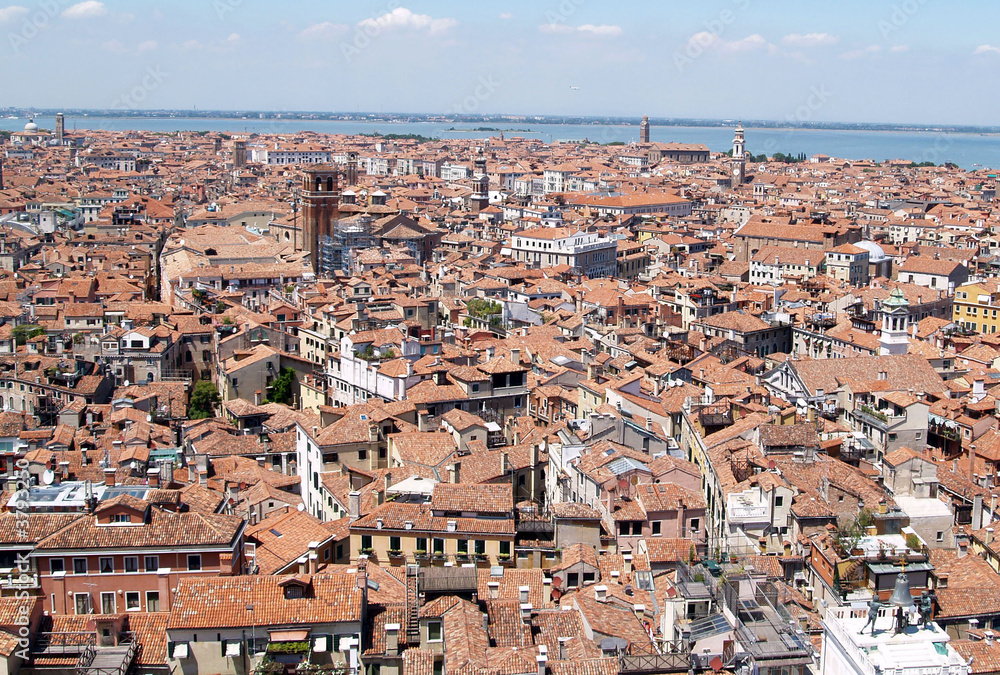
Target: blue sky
x,y
921,61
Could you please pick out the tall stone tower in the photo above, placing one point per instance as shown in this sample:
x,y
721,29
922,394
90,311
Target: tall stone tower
x,y
60,128
239,154
895,319
739,160
644,129
480,198
320,204
351,178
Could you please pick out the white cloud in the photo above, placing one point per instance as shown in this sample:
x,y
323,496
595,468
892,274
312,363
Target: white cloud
x,y
987,49
402,18
707,40
506,15
899,49
750,42
861,53
233,39
323,30
809,40
603,30
87,9
191,45
146,46
12,12
555,28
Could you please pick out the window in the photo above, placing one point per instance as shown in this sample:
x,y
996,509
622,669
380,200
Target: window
x,y
939,537
655,527
79,566
480,547
695,522
194,562
151,563
779,500
462,546
422,544
366,542
505,548
107,565
438,545
152,601
108,603
81,602
362,454
57,565
572,580
434,631
132,601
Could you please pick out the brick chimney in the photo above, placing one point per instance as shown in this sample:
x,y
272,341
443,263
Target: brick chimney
x,y
109,477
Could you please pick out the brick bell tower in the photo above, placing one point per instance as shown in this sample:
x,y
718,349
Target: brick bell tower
x,y
320,207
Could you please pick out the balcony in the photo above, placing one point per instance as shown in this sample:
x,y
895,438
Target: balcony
x,y
877,418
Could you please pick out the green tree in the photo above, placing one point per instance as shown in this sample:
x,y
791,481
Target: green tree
x,y
281,389
25,332
203,400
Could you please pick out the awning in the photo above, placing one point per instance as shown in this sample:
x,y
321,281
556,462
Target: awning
x,y
289,635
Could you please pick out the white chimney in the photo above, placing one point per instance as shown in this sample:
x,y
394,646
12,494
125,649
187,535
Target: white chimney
x,y
523,592
601,593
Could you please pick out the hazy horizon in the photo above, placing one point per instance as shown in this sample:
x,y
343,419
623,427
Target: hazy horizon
x,y
849,63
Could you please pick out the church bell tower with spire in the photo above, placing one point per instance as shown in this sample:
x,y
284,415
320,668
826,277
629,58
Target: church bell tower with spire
x,y
739,161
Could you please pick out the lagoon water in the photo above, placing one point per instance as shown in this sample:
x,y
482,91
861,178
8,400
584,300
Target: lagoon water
x,y
970,151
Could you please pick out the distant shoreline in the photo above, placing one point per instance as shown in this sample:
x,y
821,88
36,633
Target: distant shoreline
x,y
530,120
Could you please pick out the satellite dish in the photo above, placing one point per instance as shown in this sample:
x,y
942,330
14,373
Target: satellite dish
x,y
149,418
301,507
126,383
48,477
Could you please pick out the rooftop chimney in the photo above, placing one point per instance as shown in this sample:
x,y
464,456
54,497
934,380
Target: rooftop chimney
x,y
522,592
601,593
392,639
454,472
354,505
109,477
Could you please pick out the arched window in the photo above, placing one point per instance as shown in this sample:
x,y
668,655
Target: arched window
x,y
329,184
319,183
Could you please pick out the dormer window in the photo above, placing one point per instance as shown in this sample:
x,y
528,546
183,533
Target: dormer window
x,y
293,591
